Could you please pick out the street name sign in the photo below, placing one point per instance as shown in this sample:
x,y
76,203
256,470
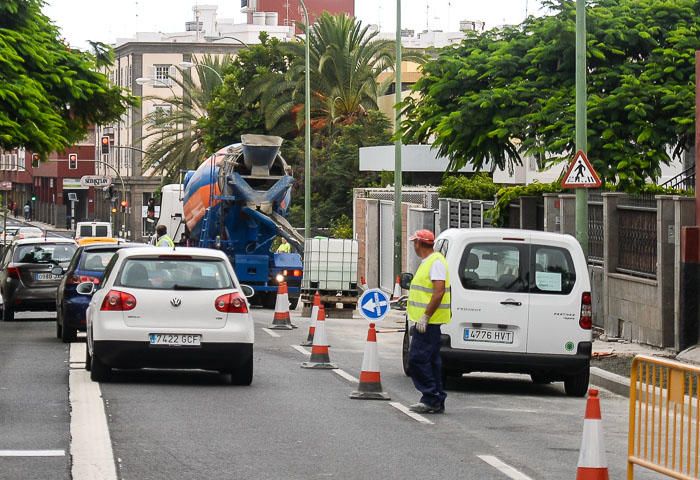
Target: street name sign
x,y
374,305
95,181
580,173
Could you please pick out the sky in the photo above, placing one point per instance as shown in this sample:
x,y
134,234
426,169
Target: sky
x,y
106,20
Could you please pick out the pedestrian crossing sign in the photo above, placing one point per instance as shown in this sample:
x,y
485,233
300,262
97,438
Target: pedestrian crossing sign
x,y
580,173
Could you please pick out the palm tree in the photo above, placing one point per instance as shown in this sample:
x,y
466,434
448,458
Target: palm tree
x,y
345,61
176,133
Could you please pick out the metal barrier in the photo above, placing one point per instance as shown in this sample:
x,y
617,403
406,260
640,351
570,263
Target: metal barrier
x,y
664,418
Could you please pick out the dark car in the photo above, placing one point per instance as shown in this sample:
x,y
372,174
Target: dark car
x,y
26,278
87,265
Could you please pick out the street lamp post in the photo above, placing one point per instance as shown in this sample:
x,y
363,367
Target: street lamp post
x,y
581,122
398,226
232,38
307,125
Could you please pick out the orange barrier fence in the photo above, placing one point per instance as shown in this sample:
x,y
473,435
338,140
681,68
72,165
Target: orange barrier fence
x,y
664,418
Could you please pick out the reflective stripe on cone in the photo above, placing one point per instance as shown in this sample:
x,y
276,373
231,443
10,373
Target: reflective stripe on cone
x,y
320,357
314,318
370,387
281,319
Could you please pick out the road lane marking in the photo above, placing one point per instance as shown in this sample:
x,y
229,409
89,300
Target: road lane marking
x,y
77,353
345,375
90,447
504,468
404,409
271,333
32,453
301,349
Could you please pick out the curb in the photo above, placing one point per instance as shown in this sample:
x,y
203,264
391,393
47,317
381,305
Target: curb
x,y
613,382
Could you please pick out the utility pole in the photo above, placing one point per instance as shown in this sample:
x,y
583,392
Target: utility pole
x,y
307,124
581,122
397,149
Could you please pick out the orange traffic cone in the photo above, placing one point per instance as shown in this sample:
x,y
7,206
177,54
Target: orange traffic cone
x,y
397,289
363,284
320,357
592,464
370,387
314,317
281,320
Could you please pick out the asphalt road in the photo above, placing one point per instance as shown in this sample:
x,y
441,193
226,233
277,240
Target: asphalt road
x,y
294,423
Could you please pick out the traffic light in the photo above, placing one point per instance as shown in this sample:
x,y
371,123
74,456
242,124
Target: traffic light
x,y
104,143
114,209
33,197
35,160
124,204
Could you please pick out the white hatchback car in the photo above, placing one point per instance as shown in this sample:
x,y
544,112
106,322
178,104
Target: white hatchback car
x,y
165,308
521,303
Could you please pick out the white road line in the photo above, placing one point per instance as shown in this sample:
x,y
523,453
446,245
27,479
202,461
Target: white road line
x,y
504,468
271,333
32,453
404,409
300,349
77,353
91,447
345,375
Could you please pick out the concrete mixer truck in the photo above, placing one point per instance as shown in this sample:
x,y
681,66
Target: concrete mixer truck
x,y
237,201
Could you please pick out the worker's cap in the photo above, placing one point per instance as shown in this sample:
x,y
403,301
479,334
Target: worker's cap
x,y
424,236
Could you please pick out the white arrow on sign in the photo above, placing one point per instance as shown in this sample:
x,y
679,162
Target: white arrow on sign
x,y
375,304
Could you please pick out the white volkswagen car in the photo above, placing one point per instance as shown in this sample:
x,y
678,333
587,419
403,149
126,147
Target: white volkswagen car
x,y
169,308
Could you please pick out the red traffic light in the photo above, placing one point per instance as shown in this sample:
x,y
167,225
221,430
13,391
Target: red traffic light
x,y
124,203
105,142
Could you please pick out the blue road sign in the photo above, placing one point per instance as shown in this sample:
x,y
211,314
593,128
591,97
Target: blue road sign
x,y
374,304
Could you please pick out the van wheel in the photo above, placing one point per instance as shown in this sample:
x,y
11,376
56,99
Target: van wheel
x,y
577,385
404,351
540,379
99,372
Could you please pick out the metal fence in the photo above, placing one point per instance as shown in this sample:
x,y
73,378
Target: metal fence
x,y
426,197
636,245
455,213
596,232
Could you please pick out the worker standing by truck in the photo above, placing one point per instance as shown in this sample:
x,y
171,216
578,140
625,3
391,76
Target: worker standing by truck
x,y
162,238
284,247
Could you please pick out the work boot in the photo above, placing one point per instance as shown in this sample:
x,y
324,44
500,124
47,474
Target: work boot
x,y
423,408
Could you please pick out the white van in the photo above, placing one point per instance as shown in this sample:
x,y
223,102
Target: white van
x,y
521,303
170,213
93,229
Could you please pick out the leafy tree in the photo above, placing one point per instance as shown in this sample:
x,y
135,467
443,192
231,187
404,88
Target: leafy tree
x,y
49,93
477,187
345,61
511,91
178,133
231,113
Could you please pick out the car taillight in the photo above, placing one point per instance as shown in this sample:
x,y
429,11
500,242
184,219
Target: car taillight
x,y
231,303
586,321
116,301
13,272
78,279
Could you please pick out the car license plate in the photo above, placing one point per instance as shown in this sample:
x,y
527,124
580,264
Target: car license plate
x,y
487,335
46,276
175,340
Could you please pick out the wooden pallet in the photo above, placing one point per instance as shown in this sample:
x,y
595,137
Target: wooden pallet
x,y
336,306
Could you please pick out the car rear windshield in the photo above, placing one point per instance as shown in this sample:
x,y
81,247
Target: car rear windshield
x,y
55,253
174,274
96,260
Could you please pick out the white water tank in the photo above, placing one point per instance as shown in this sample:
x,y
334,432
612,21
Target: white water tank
x,y
271,19
258,18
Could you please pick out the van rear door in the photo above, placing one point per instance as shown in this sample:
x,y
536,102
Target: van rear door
x,y
490,299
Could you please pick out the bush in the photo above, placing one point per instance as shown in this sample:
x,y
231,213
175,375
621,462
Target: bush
x,y
508,195
341,227
478,187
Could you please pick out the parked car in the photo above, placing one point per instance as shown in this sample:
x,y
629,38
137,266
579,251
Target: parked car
x,y
93,229
165,308
28,232
87,265
26,278
9,234
521,303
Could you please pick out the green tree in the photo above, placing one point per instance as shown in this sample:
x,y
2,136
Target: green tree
x,y
49,93
510,91
177,133
345,61
231,112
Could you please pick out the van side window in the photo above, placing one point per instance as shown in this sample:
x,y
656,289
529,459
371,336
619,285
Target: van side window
x,y
554,271
498,267
442,248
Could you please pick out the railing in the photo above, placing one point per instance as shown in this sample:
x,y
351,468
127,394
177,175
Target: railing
x,y
596,231
664,418
683,181
636,244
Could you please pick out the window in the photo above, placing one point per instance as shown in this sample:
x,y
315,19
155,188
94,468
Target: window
x,y
13,162
498,267
441,246
176,274
20,162
101,231
86,230
554,271
160,114
161,75
45,253
2,161
96,261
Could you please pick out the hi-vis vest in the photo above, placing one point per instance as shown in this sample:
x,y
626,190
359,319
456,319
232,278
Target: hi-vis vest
x,y
165,241
422,291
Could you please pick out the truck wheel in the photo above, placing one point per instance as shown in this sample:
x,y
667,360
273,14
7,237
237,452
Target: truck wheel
x,y
404,351
577,385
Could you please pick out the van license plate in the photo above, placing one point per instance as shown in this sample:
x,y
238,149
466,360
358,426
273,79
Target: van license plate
x,y
175,340
487,335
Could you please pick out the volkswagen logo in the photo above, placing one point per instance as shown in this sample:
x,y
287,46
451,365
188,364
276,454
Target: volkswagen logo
x,y
175,302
